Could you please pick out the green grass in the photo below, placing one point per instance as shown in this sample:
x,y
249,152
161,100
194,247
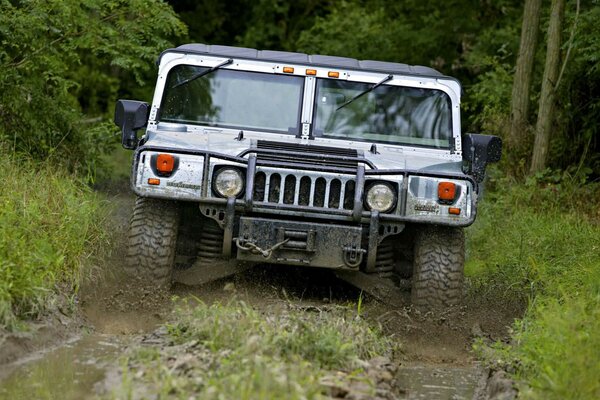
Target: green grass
x,y
233,351
540,243
115,165
50,225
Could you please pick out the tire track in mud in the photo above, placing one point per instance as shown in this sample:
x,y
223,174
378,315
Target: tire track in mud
x,y
435,360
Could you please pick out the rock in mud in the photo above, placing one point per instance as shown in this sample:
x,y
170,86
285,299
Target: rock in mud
x,y
496,385
501,387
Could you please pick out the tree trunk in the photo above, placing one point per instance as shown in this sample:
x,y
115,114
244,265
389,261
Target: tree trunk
x,y
549,81
523,73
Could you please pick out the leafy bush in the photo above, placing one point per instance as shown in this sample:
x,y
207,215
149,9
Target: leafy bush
x,y
50,225
60,58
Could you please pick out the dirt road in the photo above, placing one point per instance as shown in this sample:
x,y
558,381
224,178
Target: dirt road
x,y
434,360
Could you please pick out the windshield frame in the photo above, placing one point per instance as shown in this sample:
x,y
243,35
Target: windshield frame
x,y
295,130
447,84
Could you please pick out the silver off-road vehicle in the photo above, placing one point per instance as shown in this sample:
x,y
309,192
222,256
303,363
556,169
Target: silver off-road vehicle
x,y
255,157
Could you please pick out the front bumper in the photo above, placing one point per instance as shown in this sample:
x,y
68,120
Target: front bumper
x,y
299,243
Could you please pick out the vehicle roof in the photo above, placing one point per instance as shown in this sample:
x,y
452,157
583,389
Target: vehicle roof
x,y
306,59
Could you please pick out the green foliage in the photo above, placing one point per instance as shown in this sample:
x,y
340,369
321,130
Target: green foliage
x,y
350,31
61,57
411,32
489,99
50,226
491,59
558,346
273,25
236,352
540,242
577,121
278,24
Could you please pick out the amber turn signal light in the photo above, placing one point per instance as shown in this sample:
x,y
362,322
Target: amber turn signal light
x,y
165,163
454,210
153,181
446,191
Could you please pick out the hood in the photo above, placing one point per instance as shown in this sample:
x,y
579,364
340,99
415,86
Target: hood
x,y
225,141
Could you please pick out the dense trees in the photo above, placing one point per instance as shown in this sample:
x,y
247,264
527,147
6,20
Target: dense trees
x,y
62,63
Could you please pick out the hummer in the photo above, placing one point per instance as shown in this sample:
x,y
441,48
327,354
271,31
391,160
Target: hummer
x,y
275,157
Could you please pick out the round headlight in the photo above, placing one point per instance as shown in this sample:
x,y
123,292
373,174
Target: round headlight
x,y
228,182
381,197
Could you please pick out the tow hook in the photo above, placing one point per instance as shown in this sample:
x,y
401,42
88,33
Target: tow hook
x,y
248,245
353,255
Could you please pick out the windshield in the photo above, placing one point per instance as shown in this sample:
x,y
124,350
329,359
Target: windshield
x,y
233,99
386,114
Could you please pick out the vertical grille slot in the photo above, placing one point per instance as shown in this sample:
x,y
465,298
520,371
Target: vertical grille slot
x,y
319,192
289,189
259,186
305,184
335,191
349,195
274,188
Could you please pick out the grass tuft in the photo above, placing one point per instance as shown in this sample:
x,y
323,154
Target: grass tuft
x,y
50,225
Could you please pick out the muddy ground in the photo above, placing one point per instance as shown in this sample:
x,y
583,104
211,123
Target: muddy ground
x,y
116,313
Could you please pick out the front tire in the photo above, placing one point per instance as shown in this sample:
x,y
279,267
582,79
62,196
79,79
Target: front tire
x,y
152,240
439,261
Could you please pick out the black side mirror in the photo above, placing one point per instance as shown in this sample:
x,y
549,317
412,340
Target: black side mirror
x,y
130,115
479,151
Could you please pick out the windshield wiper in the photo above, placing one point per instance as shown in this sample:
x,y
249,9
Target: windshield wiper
x,y
375,86
201,74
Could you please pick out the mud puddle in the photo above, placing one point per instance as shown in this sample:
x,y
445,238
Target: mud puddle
x,y
67,372
437,381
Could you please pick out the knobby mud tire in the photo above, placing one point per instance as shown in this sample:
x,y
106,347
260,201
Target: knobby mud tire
x,y
152,240
439,261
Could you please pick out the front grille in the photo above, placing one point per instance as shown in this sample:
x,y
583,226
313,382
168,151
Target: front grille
x,y
307,154
313,190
